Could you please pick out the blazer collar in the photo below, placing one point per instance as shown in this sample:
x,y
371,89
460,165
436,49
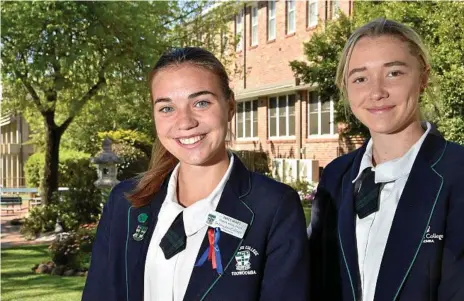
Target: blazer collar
x,y
232,203
408,229
412,218
351,283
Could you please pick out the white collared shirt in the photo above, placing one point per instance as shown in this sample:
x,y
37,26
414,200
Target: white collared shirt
x,y
372,231
167,280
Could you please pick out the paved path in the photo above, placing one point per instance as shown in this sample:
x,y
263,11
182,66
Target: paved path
x,y
10,236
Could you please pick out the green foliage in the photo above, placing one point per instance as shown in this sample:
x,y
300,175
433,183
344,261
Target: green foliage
x,y
303,187
73,249
41,219
81,204
73,168
322,52
440,26
254,161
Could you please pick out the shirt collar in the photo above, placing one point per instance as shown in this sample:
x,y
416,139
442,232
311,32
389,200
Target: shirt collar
x,y
195,215
394,169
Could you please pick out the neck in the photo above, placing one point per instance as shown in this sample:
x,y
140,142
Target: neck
x,y
197,182
386,147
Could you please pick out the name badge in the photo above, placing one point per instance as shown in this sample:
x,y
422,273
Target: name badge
x,y
227,224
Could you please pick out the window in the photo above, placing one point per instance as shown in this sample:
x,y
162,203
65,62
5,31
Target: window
x,y
239,30
312,13
334,8
254,25
271,20
282,116
291,18
320,116
247,119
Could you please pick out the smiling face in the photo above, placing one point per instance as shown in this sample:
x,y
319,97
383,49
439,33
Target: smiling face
x,y
384,83
191,114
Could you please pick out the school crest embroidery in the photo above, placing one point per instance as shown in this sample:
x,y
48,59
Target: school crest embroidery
x,y
243,261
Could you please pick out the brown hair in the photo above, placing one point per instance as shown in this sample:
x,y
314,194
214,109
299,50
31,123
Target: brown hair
x,y
376,28
162,161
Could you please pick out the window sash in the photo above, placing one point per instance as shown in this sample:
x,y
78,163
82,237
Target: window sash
x,y
282,116
247,119
254,26
291,16
312,13
321,120
271,22
239,30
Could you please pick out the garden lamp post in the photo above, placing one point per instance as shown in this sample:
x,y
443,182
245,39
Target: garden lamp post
x,y
107,170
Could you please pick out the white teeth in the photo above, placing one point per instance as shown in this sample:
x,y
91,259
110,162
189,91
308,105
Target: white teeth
x,y
191,140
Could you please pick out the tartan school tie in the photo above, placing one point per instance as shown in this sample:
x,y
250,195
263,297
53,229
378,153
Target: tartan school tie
x,y
175,239
366,194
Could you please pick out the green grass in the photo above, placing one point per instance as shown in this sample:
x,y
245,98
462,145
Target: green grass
x,y
19,283
307,212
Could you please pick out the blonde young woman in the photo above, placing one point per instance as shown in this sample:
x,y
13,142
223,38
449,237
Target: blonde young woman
x,y
388,219
198,225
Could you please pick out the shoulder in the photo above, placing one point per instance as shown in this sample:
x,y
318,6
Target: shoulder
x,y
119,193
339,166
268,186
455,152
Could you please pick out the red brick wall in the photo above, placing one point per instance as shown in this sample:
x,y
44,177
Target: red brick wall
x,y
267,64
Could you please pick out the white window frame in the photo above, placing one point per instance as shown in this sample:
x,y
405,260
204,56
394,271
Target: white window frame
x,y
335,7
319,117
287,117
239,19
271,16
313,19
244,128
254,26
289,11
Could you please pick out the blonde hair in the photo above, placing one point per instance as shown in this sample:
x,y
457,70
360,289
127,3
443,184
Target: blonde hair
x,y
376,28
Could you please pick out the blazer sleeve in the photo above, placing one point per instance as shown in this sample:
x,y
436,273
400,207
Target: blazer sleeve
x,y
97,286
286,269
452,278
324,277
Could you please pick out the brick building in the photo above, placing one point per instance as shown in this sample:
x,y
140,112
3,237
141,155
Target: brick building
x,y
275,113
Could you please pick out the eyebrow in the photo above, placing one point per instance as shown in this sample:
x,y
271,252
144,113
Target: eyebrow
x,y
193,95
389,64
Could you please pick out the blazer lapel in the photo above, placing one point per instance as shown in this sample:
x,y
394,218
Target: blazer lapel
x,y
347,232
412,217
137,245
231,204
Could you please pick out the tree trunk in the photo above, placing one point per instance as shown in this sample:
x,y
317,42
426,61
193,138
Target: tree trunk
x,y
52,150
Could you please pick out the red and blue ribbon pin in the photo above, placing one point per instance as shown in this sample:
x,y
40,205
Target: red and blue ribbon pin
x,y
212,253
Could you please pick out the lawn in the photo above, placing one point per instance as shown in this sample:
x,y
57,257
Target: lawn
x,y
307,212
19,283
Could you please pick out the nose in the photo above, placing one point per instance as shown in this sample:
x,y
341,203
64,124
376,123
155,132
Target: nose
x,y
378,91
186,120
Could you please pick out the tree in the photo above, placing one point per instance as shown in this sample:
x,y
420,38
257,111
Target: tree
x,y
322,52
439,24
77,68
58,56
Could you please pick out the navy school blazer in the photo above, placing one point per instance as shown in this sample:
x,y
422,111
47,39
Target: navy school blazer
x,y
275,241
424,255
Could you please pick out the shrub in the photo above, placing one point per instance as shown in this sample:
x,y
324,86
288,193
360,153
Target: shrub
x,y
255,161
305,189
40,219
80,205
73,249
